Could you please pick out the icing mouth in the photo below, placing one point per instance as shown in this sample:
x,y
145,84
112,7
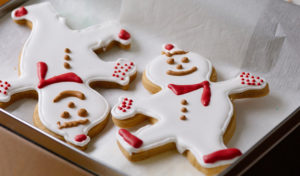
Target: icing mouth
x,y
182,73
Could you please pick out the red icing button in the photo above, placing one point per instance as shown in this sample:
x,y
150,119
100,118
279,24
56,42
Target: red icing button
x,y
21,12
80,137
169,46
123,34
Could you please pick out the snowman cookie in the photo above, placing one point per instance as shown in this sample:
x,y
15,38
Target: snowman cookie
x,y
189,112
59,66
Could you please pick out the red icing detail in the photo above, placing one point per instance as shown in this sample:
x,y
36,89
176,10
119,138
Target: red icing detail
x,y
0,91
122,67
0,81
42,70
261,80
5,82
243,82
129,67
130,138
5,92
169,47
119,71
252,76
5,88
117,76
224,154
258,84
125,99
248,83
1,85
257,77
128,107
122,78
66,77
120,108
126,70
131,63
116,67
8,85
183,89
123,34
130,101
124,110
80,137
123,74
243,73
118,63
21,12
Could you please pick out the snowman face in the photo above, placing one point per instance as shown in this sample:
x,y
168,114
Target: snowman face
x,y
189,68
72,110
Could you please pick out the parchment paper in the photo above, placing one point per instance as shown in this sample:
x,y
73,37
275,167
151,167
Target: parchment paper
x,y
259,36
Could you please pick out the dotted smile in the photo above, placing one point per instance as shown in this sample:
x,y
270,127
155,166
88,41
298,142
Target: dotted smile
x,y
182,73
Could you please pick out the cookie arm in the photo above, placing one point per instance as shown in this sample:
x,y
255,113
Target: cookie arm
x,y
125,112
10,88
245,85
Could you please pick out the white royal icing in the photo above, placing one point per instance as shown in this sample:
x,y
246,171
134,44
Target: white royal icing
x,y
202,132
47,42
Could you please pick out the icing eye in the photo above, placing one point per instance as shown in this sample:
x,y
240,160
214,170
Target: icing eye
x,y
170,61
179,67
65,115
71,105
185,60
82,112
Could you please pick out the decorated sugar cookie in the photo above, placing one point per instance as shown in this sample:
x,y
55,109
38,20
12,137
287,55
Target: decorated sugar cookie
x,y
189,112
59,65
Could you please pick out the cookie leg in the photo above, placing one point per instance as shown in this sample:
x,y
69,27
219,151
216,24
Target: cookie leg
x,y
146,142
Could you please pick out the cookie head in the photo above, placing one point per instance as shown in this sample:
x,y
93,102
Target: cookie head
x,y
178,67
73,111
